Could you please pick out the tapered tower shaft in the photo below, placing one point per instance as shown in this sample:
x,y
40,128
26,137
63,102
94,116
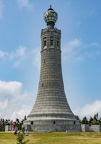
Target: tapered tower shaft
x,y
51,111
51,96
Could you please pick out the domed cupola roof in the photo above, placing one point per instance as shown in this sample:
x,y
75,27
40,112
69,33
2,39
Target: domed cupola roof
x,y
50,17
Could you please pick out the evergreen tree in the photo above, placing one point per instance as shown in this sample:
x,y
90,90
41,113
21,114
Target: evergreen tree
x,y
94,120
77,117
96,116
25,117
90,121
84,120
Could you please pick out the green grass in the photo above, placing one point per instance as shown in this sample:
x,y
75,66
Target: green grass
x,y
54,138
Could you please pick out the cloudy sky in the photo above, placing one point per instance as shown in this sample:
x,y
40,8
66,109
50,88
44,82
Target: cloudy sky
x,y
21,22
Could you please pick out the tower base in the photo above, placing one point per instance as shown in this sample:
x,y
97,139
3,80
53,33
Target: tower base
x,y
52,125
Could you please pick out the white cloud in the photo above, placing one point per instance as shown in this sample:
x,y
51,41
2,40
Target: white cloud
x,y
13,100
71,49
3,104
16,57
25,3
94,45
3,54
89,109
20,113
20,52
1,9
10,86
76,50
70,46
36,57
11,89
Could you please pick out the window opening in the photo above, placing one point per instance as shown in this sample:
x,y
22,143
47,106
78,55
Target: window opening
x,y
31,122
45,43
58,43
51,42
53,122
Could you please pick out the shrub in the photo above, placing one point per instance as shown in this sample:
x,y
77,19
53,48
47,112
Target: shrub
x,y
20,138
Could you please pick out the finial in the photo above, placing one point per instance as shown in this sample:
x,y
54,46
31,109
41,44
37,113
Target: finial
x,y
50,8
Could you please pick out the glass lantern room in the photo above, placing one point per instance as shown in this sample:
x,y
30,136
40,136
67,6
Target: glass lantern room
x,y
50,17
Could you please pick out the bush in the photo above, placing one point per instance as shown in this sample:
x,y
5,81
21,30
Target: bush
x,y
20,138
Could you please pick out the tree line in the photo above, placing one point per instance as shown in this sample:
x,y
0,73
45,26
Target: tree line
x,y
4,122
95,120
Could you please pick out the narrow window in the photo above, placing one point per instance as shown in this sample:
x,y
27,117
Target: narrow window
x,y
53,122
31,122
51,42
74,122
44,60
44,43
58,43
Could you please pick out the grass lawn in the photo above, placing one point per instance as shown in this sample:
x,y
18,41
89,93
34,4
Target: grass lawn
x,y
54,138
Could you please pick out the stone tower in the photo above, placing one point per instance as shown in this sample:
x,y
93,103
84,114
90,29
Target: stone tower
x,y
51,111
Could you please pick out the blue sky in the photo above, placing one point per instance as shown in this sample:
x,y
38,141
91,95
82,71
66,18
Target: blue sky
x,y
21,22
